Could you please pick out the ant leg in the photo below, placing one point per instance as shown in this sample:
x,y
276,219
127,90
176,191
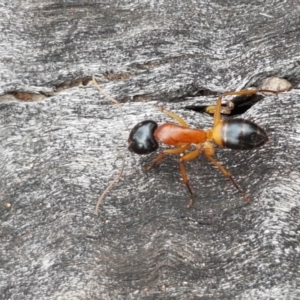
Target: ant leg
x,y
174,116
217,108
208,152
217,114
161,155
189,156
247,92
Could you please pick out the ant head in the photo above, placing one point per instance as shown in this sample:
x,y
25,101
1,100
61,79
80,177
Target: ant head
x,y
141,138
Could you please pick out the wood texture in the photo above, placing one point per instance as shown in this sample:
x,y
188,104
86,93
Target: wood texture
x,y
62,142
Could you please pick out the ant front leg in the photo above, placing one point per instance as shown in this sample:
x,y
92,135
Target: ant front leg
x,y
174,116
162,154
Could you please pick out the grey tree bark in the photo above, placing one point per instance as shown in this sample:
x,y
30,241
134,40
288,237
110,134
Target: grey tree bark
x,y
62,142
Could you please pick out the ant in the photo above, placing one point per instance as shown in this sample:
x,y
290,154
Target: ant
x,y
236,134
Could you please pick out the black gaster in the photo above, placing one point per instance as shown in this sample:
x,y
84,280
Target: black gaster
x,y
240,134
141,138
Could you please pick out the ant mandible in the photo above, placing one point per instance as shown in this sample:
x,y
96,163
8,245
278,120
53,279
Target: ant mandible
x,y
237,134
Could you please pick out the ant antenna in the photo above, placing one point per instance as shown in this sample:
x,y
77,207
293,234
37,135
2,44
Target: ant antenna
x,y
109,97
120,173
109,187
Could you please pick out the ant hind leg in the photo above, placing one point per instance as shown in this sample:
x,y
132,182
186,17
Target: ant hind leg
x,y
209,152
217,110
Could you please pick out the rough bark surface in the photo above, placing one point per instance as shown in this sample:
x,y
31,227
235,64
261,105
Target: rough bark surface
x,y
62,142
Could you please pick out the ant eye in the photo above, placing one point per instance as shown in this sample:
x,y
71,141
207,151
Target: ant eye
x,y
141,139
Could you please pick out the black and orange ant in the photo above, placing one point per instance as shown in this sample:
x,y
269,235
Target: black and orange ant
x,y
237,134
